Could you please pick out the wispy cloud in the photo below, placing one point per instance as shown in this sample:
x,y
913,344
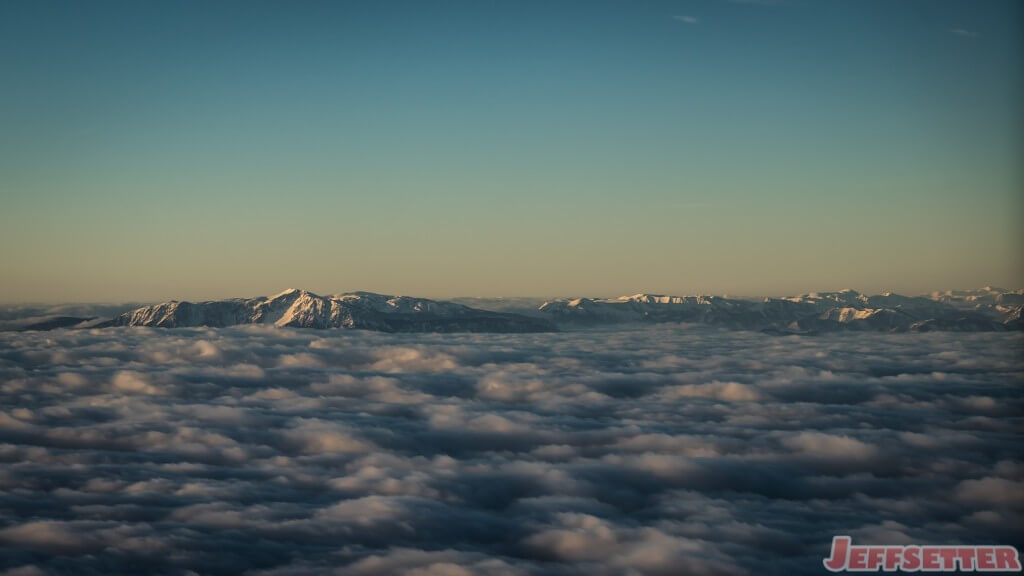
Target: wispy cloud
x,y
964,33
686,19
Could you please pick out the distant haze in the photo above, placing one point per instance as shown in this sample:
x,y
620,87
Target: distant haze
x,y
193,150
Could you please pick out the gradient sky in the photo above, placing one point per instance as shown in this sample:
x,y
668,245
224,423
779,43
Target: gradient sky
x,y
154,150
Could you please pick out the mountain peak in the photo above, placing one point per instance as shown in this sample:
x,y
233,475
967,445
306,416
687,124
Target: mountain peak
x,y
302,309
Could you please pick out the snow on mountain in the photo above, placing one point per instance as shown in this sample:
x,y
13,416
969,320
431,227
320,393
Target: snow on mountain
x,y
986,296
989,309
1005,305
302,309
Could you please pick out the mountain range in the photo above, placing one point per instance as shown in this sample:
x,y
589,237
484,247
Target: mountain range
x,y
988,309
363,310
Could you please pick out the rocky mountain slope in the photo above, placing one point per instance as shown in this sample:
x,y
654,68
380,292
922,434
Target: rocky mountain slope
x,y
364,310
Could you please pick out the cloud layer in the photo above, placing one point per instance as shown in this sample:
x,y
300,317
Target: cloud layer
x,y
655,450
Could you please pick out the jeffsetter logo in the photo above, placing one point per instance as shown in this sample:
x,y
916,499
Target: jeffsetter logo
x,y
847,557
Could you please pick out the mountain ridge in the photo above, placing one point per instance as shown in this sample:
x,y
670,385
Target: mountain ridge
x,y
988,309
354,310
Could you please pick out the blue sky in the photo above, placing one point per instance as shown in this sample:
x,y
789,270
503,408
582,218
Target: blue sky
x,y
155,150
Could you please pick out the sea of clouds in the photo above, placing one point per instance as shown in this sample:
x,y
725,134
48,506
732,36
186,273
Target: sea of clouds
x,y
664,449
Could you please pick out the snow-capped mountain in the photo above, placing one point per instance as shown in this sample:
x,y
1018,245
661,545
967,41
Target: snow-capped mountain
x,y
986,310
987,296
364,310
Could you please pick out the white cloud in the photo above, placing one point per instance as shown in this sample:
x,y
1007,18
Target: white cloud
x,y
131,382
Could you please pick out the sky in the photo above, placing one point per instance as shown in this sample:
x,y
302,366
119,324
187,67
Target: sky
x,y
157,150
